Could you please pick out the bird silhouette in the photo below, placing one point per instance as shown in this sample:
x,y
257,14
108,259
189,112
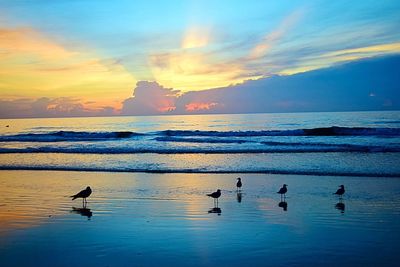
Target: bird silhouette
x,y
239,184
215,196
83,194
340,191
283,190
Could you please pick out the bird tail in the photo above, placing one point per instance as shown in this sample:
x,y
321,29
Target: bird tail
x,y
209,195
73,197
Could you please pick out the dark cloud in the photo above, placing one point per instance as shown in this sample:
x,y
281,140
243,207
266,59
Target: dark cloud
x,y
344,87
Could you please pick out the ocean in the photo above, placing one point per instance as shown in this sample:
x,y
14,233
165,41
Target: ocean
x,y
150,177
328,143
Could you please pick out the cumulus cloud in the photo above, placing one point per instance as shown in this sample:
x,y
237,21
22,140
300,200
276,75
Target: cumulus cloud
x,y
150,98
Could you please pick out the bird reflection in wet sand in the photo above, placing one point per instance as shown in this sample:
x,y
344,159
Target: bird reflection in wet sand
x,y
215,196
283,204
239,197
215,210
83,194
340,206
83,212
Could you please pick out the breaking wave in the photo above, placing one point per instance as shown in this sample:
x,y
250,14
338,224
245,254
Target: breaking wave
x,y
173,135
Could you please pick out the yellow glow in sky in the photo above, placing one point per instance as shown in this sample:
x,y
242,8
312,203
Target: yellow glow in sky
x,y
33,66
193,71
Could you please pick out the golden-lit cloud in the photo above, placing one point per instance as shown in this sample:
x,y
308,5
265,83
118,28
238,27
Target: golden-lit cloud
x,y
32,65
344,55
361,52
194,106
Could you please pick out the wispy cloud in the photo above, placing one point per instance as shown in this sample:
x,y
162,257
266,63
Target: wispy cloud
x,y
322,60
275,35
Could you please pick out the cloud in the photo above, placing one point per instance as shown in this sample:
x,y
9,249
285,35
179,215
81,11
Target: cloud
x,y
150,98
274,36
47,107
344,87
323,59
367,84
196,106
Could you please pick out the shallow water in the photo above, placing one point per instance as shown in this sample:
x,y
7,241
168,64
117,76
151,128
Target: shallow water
x,y
163,219
336,143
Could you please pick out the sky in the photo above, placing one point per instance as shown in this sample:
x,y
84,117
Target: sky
x,y
100,58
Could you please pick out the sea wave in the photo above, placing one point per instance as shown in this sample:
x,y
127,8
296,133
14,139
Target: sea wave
x,y
66,136
325,131
285,148
199,140
169,135
201,170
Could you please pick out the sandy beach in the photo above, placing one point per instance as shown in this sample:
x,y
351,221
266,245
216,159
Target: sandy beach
x,y
139,219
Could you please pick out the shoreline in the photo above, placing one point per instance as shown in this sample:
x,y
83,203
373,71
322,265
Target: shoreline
x,y
153,218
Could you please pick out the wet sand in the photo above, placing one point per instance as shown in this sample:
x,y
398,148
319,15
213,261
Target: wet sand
x,y
139,219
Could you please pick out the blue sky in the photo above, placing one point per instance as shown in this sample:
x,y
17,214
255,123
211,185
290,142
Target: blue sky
x,y
185,45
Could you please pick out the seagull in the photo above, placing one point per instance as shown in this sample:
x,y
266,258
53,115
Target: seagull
x,y
340,191
215,196
283,190
239,184
83,194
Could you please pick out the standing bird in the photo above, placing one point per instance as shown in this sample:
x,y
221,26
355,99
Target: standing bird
x,y
239,184
83,194
283,191
340,191
215,196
